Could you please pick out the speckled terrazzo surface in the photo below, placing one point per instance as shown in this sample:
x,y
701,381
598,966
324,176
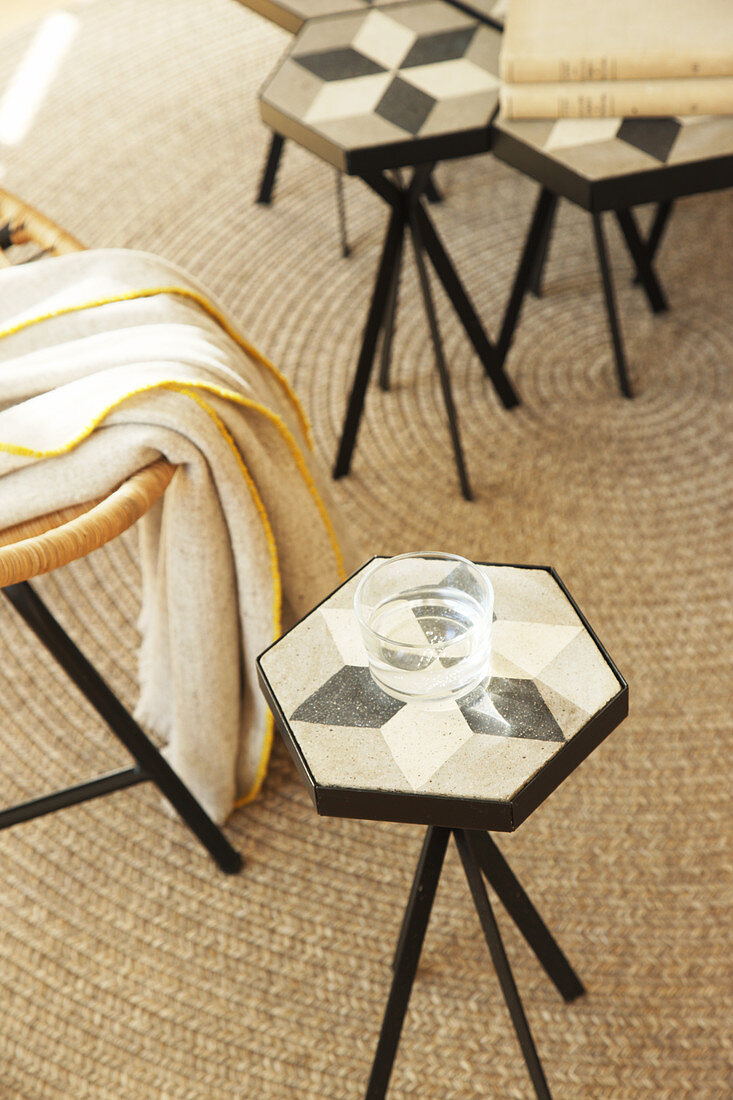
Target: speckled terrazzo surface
x,y
548,679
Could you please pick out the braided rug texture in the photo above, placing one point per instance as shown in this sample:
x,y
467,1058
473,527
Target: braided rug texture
x,y
130,968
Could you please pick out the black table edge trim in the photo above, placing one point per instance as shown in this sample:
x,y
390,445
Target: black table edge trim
x,y
454,812
668,181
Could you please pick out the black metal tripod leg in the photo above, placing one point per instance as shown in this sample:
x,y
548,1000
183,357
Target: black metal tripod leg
x,y
501,963
341,211
414,927
445,271
35,613
538,267
520,908
450,407
659,224
269,173
374,321
432,193
640,256
618,349
416,892
390,319
541,217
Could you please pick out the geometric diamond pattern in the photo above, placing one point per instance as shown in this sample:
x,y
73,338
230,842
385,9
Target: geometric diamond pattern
x,y
363,89
506,728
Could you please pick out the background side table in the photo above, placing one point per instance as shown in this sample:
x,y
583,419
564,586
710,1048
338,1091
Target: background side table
x,y
404,86
483,763
611,164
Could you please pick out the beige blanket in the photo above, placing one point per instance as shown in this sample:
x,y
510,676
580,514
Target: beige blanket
x,y
109,359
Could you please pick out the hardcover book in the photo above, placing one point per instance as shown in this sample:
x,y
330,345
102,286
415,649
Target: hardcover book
x,y
706,95
578,40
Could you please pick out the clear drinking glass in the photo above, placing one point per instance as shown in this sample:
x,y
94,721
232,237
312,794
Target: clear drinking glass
x,y
426,623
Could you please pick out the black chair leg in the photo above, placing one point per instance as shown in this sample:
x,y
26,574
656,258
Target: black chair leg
x,y
153,765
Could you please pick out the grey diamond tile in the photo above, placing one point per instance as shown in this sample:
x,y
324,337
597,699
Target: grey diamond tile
x,y
405,106
460,575
511,708
439,47
654,136
349,698
343,64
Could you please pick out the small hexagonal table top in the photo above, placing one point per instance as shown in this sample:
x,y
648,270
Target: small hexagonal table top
x,y
385,87
483,762
614,163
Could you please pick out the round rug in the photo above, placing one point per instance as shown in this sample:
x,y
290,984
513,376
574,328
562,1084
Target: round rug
x,y
131,967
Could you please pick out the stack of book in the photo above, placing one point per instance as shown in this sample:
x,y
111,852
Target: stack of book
x,y
581,59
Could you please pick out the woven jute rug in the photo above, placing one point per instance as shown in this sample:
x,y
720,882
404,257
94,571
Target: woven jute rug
x,y
131,969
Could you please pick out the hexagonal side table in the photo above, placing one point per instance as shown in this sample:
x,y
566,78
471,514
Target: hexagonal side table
x,y
484,762
372,92
609,164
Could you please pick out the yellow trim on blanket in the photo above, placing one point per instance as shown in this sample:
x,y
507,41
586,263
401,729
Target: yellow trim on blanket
x,y
188,390
261,770
219,391
201,300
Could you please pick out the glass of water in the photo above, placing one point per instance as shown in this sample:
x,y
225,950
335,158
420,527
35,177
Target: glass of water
x,y
426,621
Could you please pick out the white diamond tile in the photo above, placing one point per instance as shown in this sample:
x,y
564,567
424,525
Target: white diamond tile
x,y
343,626
348,98
569,132
581,675
421,741
304,658
450,79
531,646
349,756
383,40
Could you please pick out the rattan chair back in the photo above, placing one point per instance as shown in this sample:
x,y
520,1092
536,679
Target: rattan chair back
x,y
48,542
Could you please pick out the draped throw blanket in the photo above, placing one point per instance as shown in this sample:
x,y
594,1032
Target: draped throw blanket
x,y
108,360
